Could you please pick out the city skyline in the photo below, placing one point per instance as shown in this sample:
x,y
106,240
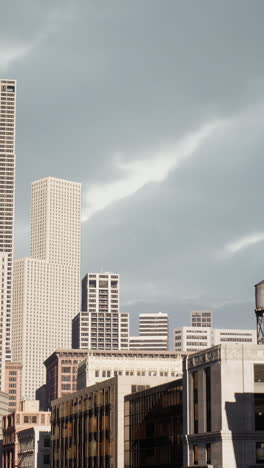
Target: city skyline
x,y
180,132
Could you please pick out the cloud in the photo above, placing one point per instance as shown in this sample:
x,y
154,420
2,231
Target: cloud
x,y
13,51
137,173
243,243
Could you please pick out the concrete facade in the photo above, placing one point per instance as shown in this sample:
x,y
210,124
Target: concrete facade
x,y
153,333
192,339
101,365
224,407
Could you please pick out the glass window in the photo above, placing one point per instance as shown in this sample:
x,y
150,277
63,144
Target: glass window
x,y
195,455
259,411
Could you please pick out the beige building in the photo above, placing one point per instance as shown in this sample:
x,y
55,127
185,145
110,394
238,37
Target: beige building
x,y
13,384
27,416
46,291
101,365
100,325
7,204
153,333
96,414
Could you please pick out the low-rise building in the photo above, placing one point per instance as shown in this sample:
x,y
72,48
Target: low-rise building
x,y
192,339
34,447
223,416
27,416
153,333
101,365
88,426
61,374
153,427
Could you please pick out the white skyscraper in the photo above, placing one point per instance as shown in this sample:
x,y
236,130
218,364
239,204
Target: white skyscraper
x,y
153,333
7,204
47,285
100,325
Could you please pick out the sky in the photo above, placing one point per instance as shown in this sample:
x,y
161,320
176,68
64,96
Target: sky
x,y
158,109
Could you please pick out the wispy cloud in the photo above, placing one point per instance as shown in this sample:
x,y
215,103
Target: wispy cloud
x,y
243,243
143,170
12,51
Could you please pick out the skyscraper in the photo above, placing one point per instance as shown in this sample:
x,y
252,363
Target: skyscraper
x,y
100,325
47,285
7,203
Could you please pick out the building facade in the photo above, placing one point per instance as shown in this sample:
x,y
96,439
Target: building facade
x,y
34,447
153,427
223,413
100,325
202,318
13,384
27,416
61,374
88,426
153,333
7,209
47,285
100,365
192,339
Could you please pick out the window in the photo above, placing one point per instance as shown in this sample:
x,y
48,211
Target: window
x,y
66,370
34,419
259,411
195,402
260,452
25,419
195,455
207,372
46,459
208,454
46,442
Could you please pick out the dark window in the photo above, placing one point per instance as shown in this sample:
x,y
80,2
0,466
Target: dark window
x,y
207,371
46,442
34,419
46,459
259,411
195,455
259,372
92,283
26,419
208,454
195,402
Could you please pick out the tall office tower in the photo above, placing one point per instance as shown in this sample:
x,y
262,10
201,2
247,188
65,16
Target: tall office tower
x,y
7,200
100,325
47,286
153,333
202,318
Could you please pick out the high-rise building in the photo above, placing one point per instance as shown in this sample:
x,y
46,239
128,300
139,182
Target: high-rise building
x,y
7,207
47,285
100,325
202,318
153,333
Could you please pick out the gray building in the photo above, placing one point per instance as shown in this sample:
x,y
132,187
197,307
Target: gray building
x,y
223,416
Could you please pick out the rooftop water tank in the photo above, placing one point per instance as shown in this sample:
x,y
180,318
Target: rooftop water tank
x,y
259,295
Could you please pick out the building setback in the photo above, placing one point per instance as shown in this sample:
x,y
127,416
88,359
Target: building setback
x,y
7,208
47,285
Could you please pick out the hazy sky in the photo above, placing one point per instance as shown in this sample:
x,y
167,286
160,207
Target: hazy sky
x,y
157,107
